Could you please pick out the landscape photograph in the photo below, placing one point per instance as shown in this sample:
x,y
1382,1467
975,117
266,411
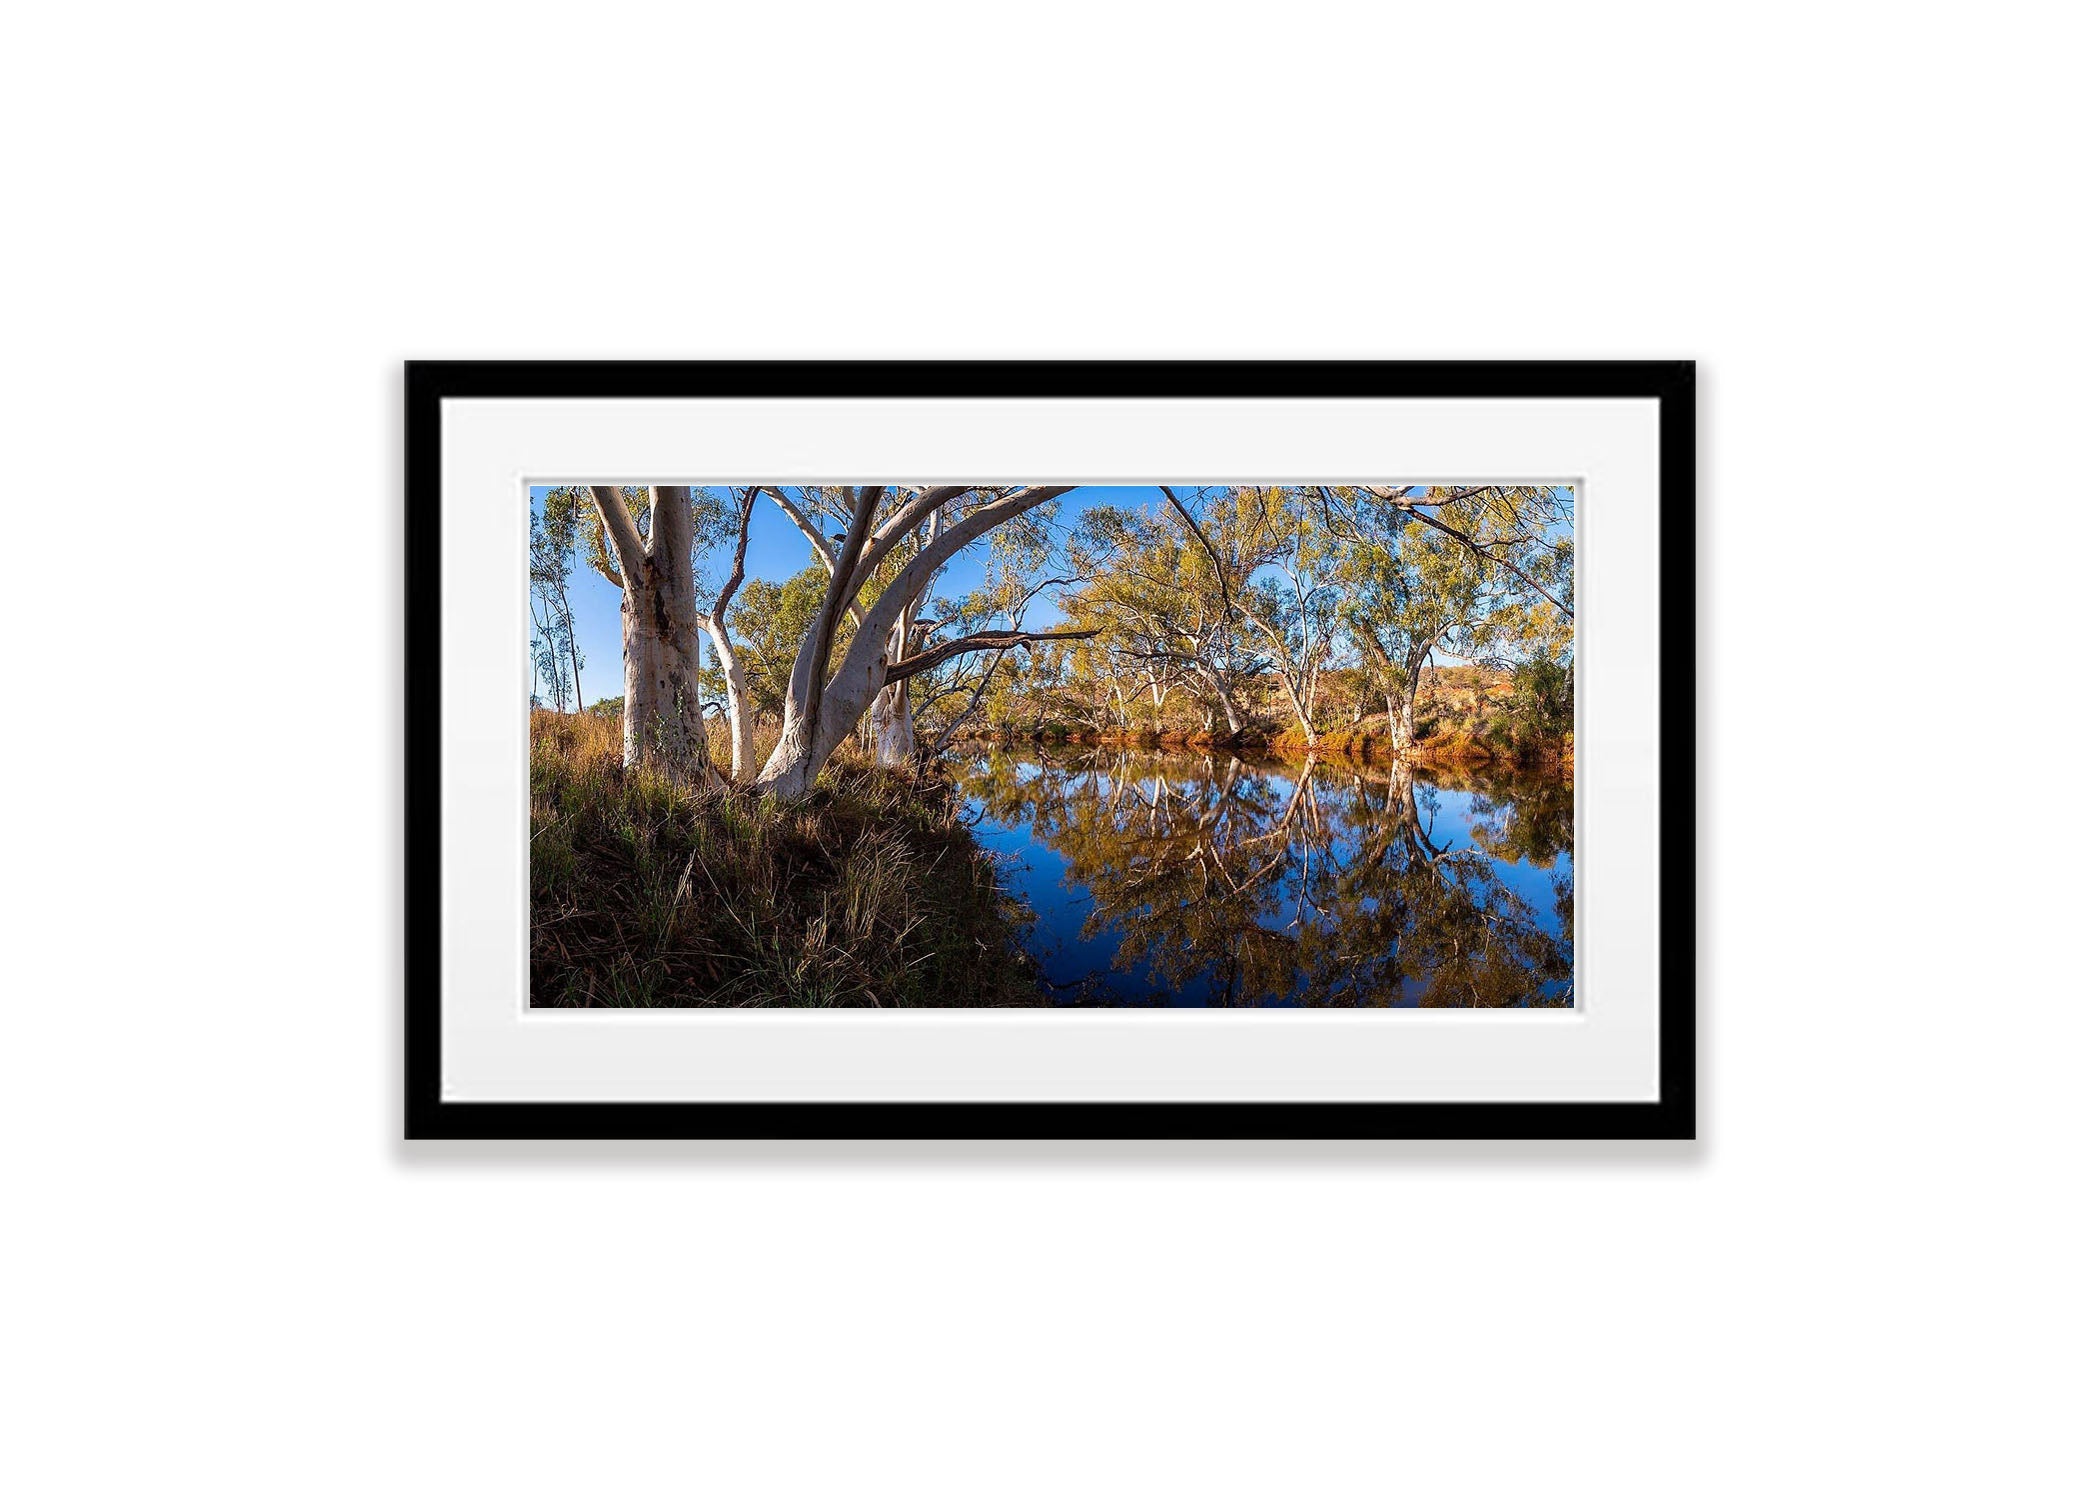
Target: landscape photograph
x,y
1051,745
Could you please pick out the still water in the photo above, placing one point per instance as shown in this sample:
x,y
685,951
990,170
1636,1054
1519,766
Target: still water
x,y
1156,878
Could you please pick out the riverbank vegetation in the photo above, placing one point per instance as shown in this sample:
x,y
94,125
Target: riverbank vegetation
x,y
648,890
767,813
1465,714
1307,620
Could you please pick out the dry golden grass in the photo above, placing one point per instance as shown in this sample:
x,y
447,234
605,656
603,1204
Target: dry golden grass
x,y
646,892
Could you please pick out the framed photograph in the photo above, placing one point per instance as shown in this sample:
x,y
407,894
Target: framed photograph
x,y
1049,750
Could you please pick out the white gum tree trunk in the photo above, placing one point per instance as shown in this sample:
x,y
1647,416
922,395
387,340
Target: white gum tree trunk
x,y
743,733
1404,733
1221,688
659,630
896,737
821,713
895,741
1303,710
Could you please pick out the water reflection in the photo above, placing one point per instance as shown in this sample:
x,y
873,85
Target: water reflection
x,y
1160,879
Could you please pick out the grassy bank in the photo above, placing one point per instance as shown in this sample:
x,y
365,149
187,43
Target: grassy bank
x,y
648,894
1464,716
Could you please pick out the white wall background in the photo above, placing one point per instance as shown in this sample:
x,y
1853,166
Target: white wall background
x,y
227,224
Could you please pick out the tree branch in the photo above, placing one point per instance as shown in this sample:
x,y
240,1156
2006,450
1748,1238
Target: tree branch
x,y
837,595
1479,551
863,663
736,569
940,742
1217,563
809,529
983,640
803,524
1387,492
619,526
1407,507
899,526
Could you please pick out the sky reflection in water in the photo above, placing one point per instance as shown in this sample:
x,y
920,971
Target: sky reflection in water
x,y
1191,879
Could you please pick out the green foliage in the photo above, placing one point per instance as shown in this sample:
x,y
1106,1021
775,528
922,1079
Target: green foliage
x,y
767,622
579,513
1543,699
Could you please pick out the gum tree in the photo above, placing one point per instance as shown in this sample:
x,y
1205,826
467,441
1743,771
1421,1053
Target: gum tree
x,y
736,693
1171,592
553,545
1421,562
1280,583
643,544
824,702
889,545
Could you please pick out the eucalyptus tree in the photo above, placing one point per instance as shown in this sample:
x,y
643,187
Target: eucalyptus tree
x,y
950,694
891,542
823,514
1521,534
1171,592
1425,565
552,548
548,656
766,623
1406,595
1132,643
643,545
1016,575
891,733
648,542
1281,582
733,519
824,701
892,723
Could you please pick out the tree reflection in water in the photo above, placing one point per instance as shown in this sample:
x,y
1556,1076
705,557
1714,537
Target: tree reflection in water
x,y
1207,880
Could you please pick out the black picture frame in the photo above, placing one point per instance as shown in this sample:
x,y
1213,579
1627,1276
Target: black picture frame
x,y
1671,1116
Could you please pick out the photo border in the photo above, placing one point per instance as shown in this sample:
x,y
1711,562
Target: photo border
x,y
1672,1115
